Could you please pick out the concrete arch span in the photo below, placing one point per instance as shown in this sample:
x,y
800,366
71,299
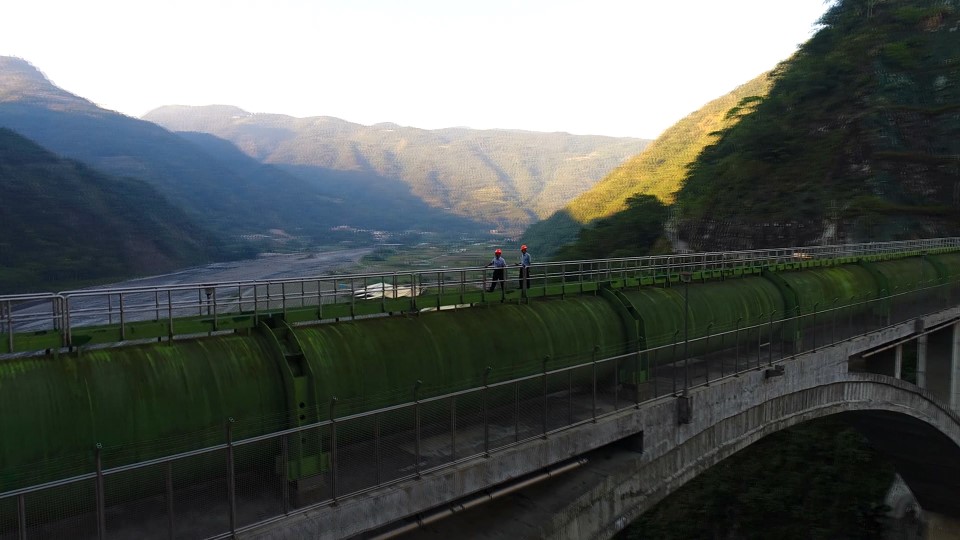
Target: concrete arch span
x,y
918,433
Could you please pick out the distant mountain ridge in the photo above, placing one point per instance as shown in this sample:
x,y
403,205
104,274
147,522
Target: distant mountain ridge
x,y
507,177
231,194
21,82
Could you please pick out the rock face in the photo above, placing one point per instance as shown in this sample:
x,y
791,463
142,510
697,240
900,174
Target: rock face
x,y
858,139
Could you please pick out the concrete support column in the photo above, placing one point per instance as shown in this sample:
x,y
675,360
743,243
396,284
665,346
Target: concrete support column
x,y
898,361
955,368
922,361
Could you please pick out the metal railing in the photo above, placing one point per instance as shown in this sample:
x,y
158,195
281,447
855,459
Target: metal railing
x,y
108,315
226,488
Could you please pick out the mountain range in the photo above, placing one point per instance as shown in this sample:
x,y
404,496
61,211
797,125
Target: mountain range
x,y
506,178
250,182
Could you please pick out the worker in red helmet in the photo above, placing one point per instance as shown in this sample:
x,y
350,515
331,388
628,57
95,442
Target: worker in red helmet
x,y
524,265
499,271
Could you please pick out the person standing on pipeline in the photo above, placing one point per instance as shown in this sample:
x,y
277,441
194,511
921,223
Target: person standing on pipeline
x,y
499,271
524,265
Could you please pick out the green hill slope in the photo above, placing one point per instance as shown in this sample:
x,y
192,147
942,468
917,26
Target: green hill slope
x,y
858,139
65,224
658,171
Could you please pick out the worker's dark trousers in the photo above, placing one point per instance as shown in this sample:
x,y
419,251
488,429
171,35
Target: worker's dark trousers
x,y
497,276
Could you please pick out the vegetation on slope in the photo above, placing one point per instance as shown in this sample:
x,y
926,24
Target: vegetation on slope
x,y
657,171
65,224
858,138
633,230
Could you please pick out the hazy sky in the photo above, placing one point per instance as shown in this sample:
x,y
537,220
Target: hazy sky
x,y
606,67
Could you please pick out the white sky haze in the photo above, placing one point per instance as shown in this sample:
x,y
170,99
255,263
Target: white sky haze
x,y
606,67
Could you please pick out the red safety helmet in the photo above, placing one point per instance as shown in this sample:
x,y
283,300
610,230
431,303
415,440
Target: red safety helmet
x,y
497,252
523,247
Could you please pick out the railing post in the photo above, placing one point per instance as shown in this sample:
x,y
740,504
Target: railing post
x,y
256,302
616,383
486,421
453,428
415,286
770,339
168,487
101,510
545,360
376,447
563,282
833,333
169,313
706,358
759,338
231,479
813,326
21,517
9,326
736,348
216,318
596,350
798,333
673,365
638,364
516,411
123,319
416,426
333,450
285,472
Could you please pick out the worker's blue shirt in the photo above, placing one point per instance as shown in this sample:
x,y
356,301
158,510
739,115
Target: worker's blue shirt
x,y
524,259
499,262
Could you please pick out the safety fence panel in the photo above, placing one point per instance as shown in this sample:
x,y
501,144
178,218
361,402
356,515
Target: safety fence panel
x,y
62,512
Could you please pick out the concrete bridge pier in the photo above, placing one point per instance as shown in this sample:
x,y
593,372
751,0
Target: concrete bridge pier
x,y
943,381
888,362
938,364
937,372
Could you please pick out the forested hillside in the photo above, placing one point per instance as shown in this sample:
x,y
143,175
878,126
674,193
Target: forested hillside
x,y
508,179
65,224
658,171
858,139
